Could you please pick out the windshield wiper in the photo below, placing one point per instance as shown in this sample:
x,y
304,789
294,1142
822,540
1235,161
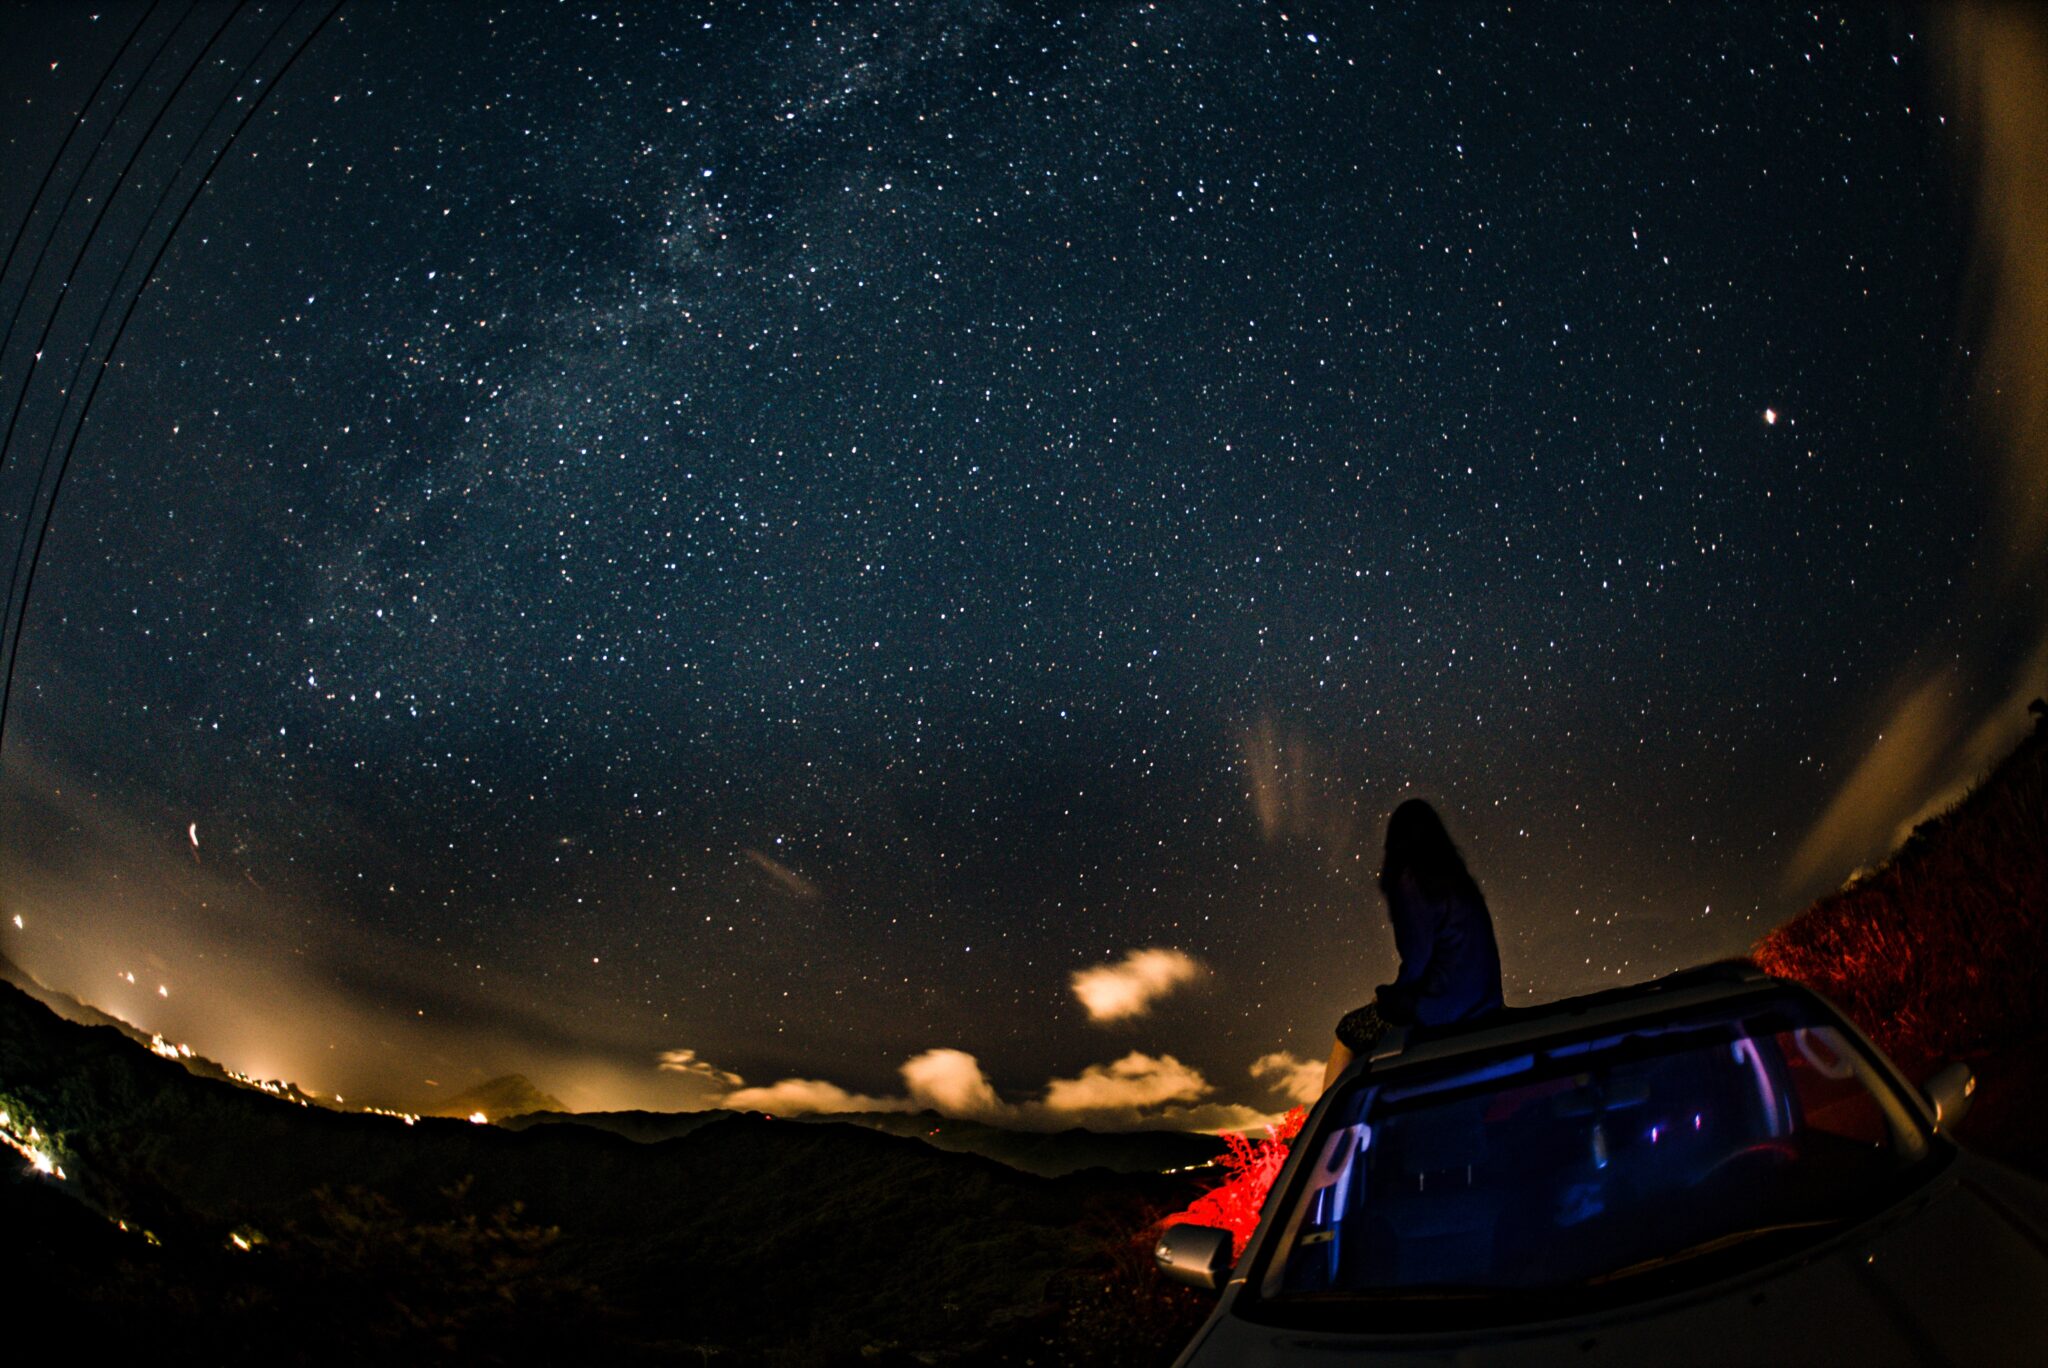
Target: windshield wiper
x,y
1705,1247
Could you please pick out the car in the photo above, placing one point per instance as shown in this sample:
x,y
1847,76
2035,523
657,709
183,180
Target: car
x,y
1714,1167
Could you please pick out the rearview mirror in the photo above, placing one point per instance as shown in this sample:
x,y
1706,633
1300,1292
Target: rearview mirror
x,y
1950,1090
1197,1255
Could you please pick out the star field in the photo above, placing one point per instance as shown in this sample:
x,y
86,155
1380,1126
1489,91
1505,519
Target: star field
x,y
788,532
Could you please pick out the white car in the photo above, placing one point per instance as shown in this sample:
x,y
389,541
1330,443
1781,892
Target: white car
x,y
1712,1168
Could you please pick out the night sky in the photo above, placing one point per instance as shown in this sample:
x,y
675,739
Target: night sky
x,y
771,538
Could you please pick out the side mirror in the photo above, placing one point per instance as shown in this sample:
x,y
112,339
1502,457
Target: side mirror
x,y
1950,1090
1197,1255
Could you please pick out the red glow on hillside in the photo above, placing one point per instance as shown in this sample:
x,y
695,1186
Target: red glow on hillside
x,y
1253,1165
1938,953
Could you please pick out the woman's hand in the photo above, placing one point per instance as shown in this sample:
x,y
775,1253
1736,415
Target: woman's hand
x,y
1340,1059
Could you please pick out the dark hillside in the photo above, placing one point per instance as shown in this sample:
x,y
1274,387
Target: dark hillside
x,y
510,1095
85,1014
1049,1154
744,1236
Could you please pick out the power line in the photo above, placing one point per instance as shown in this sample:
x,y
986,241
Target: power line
x,y
36,201
41,526
64,288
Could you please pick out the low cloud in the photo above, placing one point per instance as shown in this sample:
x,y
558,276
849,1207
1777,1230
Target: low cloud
x,y
1131,1084
951,1082
1136,1091
687,1063
1129,987
946,1081
1142,1091
1210,1118
792,1095
1298,1080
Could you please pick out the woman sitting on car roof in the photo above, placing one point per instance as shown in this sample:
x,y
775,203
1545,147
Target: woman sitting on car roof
x,y
1450,965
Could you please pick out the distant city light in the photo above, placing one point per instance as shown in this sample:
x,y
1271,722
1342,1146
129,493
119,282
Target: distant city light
x,y
32,1147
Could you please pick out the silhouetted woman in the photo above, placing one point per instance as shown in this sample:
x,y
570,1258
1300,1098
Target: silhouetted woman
x,y
1450,965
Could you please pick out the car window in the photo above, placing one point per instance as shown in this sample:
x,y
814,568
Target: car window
x,y
1588,1163
1821,1074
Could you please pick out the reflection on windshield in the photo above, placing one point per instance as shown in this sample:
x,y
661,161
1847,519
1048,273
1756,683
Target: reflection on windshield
x,y
1590,1163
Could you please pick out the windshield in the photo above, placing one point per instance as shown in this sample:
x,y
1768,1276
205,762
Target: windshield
x,y
1590,1163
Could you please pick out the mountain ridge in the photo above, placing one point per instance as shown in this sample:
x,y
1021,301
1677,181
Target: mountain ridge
x,y
360,1224
1048,1154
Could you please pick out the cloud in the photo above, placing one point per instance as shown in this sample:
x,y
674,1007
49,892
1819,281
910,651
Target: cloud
x,y
1128,1086
950,1082
1138,1090
791,1095
947,1081
1890,781
1299,1080
782,874
703,1070
1998,74
1945,724
1128,988
1296,793
1209,1118
786,1095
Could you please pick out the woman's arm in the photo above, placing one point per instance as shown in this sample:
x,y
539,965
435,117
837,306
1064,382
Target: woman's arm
x,y
1340,1059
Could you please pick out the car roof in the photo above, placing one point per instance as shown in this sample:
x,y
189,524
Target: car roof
x,y
1725,980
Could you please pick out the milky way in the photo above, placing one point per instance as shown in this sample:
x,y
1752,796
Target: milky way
x,y
781,536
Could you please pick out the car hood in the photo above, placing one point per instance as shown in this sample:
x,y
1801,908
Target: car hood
x,y
1955,1274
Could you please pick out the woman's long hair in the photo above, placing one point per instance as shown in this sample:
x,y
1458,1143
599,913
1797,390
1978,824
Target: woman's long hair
x,y
1418,846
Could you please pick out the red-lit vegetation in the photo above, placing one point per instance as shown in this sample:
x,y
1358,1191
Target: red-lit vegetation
x,y
1252,1165
1939,953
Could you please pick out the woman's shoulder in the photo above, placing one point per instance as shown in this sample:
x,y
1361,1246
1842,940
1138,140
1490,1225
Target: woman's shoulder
x,y
1462,900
